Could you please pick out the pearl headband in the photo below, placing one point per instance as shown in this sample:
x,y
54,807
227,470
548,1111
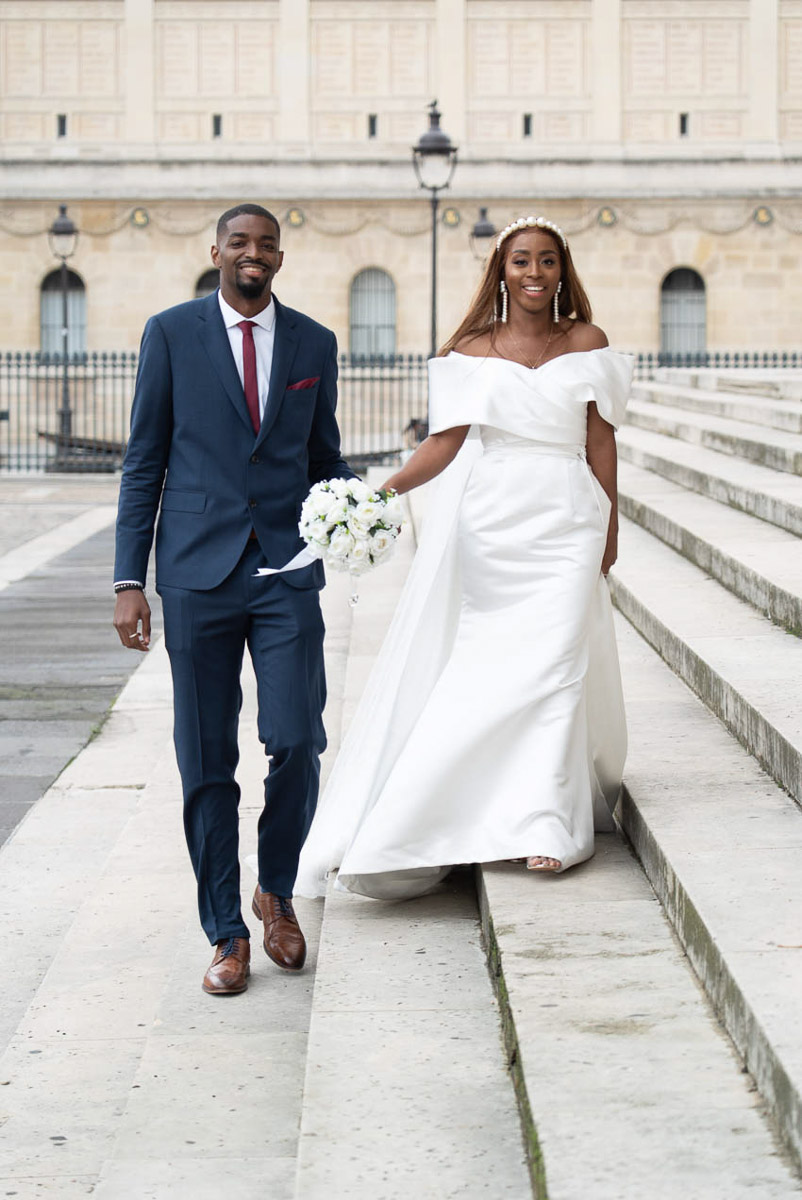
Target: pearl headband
x,y
531,223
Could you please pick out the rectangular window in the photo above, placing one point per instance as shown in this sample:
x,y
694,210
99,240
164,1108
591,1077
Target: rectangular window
x,y
61,125
683,124
217,125
527,124
372,122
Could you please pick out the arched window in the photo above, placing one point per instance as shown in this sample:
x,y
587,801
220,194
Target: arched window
x,y
372,313
51,314
207,283
683,313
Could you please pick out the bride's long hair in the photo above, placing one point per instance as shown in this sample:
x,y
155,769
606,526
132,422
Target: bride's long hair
x,y
481,316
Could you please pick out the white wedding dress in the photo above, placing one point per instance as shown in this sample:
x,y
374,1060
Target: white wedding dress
x,y
493,725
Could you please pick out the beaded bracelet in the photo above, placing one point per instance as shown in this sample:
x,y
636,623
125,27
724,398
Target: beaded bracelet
x,y
128,587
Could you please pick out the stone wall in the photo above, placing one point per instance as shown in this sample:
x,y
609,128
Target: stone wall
x,y
682,117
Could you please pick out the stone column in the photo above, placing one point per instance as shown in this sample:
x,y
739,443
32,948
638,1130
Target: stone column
x,y
294,52
764,71
450,88
140,122
606,34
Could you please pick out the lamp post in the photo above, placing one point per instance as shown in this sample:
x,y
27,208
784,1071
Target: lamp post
x,y
480,236
434,159
63,239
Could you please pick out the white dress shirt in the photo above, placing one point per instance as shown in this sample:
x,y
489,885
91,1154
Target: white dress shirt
x,y
263,336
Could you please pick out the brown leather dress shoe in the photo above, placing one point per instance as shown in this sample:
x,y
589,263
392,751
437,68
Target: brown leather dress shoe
x,y
283,942
230,968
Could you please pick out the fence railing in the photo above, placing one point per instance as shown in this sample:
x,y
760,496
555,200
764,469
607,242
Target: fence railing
x,y
73,414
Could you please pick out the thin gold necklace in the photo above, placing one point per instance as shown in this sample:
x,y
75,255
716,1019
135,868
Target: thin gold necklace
x,y
532,366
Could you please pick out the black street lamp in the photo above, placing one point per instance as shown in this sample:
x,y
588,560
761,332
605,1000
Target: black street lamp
x,y
63,239
435,160
481,235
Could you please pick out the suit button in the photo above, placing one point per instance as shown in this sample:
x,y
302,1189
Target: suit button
x,y
254,458
252,503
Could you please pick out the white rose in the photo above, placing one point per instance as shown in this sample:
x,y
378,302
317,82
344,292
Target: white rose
x,y
341,543
394,511
320,503
369,512
359,490
340,487
360,553
357,526
338,510
381,544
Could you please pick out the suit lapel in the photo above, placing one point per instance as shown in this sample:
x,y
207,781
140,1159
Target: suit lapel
x,y
285,344
214,339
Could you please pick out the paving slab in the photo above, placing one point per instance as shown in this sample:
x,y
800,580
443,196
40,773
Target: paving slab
x,y
61,664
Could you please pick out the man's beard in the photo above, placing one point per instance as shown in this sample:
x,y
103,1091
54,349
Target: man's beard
x,y
252,289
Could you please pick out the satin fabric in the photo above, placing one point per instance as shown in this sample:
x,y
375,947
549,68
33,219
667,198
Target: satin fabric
x,y
493,723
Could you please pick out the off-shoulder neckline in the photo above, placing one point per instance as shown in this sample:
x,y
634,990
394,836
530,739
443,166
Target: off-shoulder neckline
x,y
529,370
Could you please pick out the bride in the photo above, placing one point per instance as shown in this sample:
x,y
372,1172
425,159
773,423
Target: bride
x,y
492,726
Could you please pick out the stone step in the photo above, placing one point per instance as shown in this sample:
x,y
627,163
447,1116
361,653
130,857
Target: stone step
x,y
721,846
628,1086
756,410
758,562
747,671
770,448
773,496
407,1091
783,383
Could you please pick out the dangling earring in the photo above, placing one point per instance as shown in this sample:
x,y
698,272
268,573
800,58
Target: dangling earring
x,y
557,303
503,289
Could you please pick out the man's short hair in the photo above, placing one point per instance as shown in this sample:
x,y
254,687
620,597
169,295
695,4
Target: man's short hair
x,y
244,210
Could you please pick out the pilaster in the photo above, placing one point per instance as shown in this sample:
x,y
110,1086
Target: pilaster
x,y
606,35
764,71
450,42
293,73
140,123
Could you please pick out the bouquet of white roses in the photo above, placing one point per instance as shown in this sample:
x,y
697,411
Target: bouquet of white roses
x,y
350,526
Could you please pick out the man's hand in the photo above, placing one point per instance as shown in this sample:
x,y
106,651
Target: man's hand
x,y
132,619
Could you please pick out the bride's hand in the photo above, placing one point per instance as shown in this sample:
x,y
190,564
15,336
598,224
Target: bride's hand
x,y
610,550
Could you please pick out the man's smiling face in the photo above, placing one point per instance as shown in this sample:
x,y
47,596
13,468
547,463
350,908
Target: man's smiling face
x,y
248,256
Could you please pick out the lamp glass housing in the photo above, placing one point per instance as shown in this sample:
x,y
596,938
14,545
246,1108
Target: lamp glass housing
x,y
435,156
62,235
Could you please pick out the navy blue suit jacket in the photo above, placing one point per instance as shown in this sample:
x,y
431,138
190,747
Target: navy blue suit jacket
x,y
194,459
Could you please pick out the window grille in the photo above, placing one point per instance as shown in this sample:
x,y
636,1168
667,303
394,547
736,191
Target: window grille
x,y
372,314
51,314
683,313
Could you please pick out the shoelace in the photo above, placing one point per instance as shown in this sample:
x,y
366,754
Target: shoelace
x,y
285,907
229,948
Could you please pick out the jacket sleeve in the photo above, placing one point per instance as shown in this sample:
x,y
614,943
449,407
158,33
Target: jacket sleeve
x,y
146,457
325,456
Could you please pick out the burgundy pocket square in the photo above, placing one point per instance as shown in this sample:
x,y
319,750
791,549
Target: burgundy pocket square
x,y
303,383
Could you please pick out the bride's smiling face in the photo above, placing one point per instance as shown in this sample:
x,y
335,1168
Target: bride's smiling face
x,y
532,270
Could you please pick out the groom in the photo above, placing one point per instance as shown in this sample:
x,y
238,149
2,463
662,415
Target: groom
x,y
232,421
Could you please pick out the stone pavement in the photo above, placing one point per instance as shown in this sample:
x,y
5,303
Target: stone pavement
x,y
381,1072
59,669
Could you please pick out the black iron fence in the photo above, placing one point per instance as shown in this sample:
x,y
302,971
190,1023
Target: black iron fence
x,y
73,414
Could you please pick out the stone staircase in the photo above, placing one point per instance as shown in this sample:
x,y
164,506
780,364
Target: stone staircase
x,y
710,576
388,1069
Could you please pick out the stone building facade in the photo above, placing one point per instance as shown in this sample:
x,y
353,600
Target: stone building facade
x,y
663,135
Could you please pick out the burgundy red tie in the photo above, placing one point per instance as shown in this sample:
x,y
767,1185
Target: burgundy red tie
x,y
249,380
